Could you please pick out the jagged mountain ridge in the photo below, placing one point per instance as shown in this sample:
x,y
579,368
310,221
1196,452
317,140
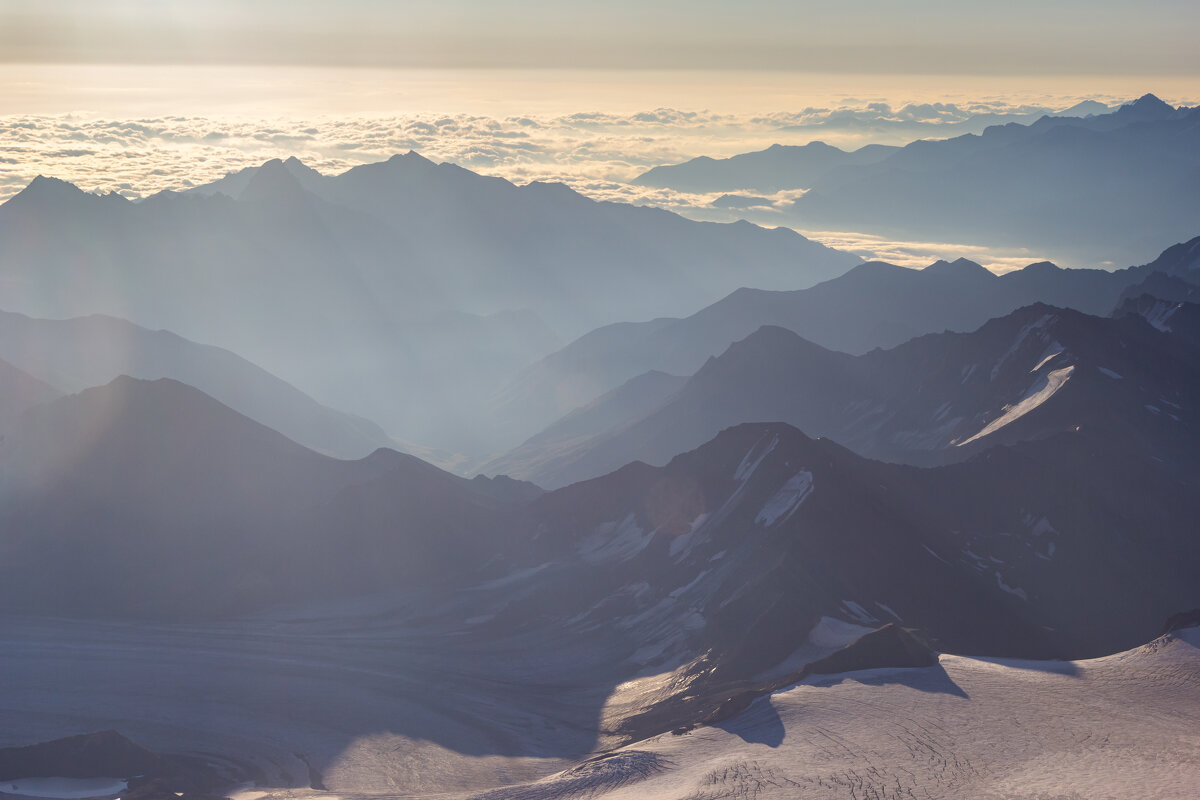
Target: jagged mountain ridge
x,y
873,305
790,167
722,562
354,287
1180,319
734,550
630,595
1072,187
1083,189
497,247
935,399
777,167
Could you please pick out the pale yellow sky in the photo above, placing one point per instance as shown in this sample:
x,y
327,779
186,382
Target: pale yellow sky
x,y
137,90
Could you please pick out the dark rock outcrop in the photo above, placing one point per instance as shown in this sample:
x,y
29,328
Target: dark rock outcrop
x,y
105,754
1184,619
889,646
109,754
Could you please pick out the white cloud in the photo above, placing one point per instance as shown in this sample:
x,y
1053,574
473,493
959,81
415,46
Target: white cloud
x,y
590,150
597,153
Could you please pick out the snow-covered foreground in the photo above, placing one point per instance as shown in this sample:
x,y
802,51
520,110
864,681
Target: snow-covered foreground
x,y
378,717
1124,726
368,706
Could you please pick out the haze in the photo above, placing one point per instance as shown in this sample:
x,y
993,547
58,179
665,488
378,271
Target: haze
x,y
477,400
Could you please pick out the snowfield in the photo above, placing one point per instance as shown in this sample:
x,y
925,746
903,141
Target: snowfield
x,y
1124,726
380,718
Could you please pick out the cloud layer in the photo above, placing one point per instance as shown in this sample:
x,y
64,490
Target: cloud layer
x,y
597,153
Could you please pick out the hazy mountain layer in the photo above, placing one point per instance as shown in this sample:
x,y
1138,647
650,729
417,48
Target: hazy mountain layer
x,y
360,287
1085,189
76,354
777,167
935,399
151,499
20,391
873,305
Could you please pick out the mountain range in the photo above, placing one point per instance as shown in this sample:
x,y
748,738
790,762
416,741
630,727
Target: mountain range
x,y
795,542
1107,187
873,305
74,354
730,553
778,167
354,288
172,505
937,398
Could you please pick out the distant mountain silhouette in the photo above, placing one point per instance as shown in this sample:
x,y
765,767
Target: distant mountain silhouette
x,y
873,305
1085,187
1110,188
1161,286
777,167
358,287
74,354
633,400
935,399
491,246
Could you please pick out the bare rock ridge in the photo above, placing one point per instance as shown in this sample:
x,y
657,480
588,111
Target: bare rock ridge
x,y
105,754
934,399
872,305
191,511
1182,621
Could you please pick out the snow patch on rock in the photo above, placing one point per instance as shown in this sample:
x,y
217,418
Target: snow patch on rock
x,y
1053,351
858,612
619,542
750,463
1160,314
1030,329
1011,589
682,544
514,577
1041,391
785,502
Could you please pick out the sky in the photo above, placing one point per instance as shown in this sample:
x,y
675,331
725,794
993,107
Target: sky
x,y
954,37
137,96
